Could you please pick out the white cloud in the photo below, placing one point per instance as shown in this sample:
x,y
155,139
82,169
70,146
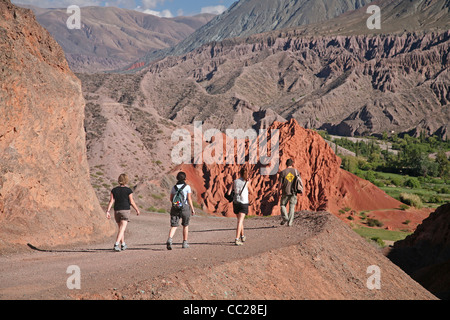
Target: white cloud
x,y
151,4
161,14
214,9
127,4
58,3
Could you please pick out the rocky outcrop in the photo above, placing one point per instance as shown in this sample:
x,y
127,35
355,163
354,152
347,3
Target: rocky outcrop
x,y
327,186
45,192
425,255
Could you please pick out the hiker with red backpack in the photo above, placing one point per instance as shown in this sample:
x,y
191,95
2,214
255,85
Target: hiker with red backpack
x,y
182,208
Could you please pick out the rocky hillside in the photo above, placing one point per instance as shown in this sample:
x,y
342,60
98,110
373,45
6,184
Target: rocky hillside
x,y
425,255
394,82
45,195
111,38
396,78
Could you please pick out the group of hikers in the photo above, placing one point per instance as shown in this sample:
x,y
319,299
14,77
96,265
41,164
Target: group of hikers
x,y
289,186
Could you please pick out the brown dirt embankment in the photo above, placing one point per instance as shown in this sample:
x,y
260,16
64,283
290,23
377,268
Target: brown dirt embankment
x,y
318,258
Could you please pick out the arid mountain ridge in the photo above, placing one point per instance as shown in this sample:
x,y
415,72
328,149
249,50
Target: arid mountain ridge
x,y
111,38
395,83
248,17
396,77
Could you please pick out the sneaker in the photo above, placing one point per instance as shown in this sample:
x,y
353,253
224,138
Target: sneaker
x,y
243,238
283,222
238,242
169,244
116,248
124,247
185,245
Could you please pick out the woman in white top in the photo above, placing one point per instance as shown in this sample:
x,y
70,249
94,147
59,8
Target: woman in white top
x,y
241,189
183,214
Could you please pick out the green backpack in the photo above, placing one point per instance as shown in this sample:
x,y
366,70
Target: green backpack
x,y
178,200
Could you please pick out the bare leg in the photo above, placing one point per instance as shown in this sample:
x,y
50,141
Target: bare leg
x,y
240,225
121,234
172,232
185,233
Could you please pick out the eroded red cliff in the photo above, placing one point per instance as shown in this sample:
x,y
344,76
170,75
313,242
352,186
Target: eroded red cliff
x,y
45,192
327,186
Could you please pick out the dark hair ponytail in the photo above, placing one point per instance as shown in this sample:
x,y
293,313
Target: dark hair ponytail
x,y
244,173
181,177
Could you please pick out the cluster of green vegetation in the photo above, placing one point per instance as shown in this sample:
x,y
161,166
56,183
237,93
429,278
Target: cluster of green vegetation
x,y
412,156
408,173
379,236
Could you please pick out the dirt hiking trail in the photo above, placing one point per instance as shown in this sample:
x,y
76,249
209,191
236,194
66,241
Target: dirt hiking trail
x,y
319,257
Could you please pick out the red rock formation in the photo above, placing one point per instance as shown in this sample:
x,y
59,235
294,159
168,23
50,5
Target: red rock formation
x,y
136,65
327,186
45,193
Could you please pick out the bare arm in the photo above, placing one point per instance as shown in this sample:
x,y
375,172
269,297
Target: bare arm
x,y
250,189
111,201
190,203
133,204
230,189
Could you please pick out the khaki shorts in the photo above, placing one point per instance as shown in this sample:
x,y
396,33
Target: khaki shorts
x,y
122,215
183,215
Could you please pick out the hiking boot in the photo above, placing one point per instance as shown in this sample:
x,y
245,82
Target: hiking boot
x,y
185,245
116,248
238,242
124,247
169,244
243,238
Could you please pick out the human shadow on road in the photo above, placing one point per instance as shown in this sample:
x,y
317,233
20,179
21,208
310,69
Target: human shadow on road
x,y
101,250
231,229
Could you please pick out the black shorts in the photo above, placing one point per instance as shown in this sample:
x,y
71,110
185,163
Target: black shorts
x,y
240,208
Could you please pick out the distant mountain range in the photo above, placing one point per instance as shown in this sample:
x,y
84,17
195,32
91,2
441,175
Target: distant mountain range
x,y
248,17
111,38
336,75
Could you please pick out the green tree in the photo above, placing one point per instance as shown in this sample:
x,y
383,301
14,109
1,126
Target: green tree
x,y
443,164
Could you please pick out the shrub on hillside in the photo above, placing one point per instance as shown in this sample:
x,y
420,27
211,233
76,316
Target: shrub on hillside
x,y
412,183
374,223
411,200
396,181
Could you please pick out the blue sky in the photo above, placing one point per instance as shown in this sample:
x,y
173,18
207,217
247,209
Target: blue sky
x,y
164,8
